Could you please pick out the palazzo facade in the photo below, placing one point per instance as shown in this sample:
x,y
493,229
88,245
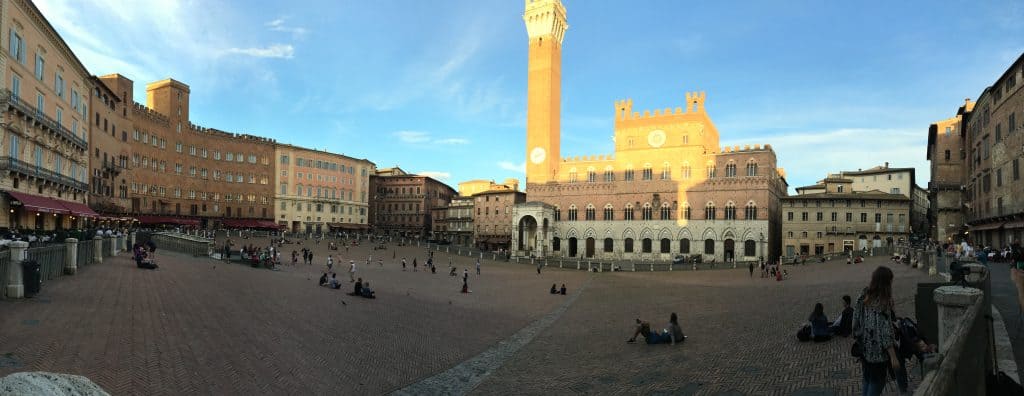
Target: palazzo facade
x,y
668,189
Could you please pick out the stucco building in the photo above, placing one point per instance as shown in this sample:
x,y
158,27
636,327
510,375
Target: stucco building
x,y
947,161
181,173
833,216
318,191
994,143
45,116
109,151
403,203
895,181
669,187
492,221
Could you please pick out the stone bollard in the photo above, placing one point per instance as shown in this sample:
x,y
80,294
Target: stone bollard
x,y
71,256
953,303
634,267
15,286
590,267
97,252
577,264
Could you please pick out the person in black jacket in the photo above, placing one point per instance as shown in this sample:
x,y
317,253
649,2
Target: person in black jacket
x,y
844,325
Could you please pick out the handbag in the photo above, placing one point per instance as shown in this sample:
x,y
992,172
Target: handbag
x,y
856,350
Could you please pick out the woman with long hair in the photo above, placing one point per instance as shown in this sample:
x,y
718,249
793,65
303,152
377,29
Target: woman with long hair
x,y
872,327
819,324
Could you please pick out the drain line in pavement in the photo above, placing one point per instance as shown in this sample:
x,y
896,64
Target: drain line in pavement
x,y
465,376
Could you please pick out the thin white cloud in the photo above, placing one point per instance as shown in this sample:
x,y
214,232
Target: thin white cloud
x,y
512,166
452,141
150,40
436,174
419,137
283,51
278,25
412,136
809,156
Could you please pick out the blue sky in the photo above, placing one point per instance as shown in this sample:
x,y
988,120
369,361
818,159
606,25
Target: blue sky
x,y
438,87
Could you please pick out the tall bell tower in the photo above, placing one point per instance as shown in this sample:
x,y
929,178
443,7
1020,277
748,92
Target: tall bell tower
x,y
546,25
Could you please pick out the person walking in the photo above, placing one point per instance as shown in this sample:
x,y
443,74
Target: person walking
x,y
751,265
413,264
310,257
465,280
403,263
872,327
478,266
330,263
352,271
539,265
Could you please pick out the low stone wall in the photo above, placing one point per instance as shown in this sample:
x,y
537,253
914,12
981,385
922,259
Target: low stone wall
x,y
196,246
965,355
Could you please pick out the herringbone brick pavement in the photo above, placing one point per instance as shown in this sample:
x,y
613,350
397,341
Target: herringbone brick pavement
x,y
198,326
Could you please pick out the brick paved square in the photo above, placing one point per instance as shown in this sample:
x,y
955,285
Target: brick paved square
x,y
201,326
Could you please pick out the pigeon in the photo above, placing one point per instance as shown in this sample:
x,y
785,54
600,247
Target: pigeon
x,y
343,302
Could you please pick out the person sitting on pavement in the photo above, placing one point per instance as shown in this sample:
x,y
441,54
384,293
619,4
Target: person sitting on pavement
x,y
323,279
562,292
843,326
333,284
819,324
357,290
554,290
670,335
366,291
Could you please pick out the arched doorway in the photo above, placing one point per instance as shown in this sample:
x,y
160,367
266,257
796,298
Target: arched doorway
x,y
572,247
729,249
527,233
590,247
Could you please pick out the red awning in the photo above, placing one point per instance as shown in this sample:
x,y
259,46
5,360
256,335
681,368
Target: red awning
x,y
1015,224
37,203
989,226
79,209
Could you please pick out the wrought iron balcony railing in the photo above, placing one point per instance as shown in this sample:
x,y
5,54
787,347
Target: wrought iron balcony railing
x,y
7,97
16,165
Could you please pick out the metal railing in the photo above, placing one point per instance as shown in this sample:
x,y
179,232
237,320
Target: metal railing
x,y
12,100
86,251
17,165
50,259
182,243
108,246
5,263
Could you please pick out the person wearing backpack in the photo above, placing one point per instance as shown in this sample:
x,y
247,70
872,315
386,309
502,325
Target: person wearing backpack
x,y
872,327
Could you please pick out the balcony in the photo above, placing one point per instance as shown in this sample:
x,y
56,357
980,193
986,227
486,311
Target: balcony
x,y
27,169
37,116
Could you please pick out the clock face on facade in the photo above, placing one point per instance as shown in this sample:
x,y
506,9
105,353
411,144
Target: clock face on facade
x,y
656,138
537,155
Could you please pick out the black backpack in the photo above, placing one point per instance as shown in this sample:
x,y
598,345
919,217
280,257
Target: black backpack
x,y
908,337
804,334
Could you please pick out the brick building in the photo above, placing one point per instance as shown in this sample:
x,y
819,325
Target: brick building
x,y
895,181
403,203
319,191
181,173
45,107
109,151
669,187
947,160
492,217
994,143
833,217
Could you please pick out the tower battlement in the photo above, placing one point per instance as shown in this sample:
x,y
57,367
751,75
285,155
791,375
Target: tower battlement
x,y
694,105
